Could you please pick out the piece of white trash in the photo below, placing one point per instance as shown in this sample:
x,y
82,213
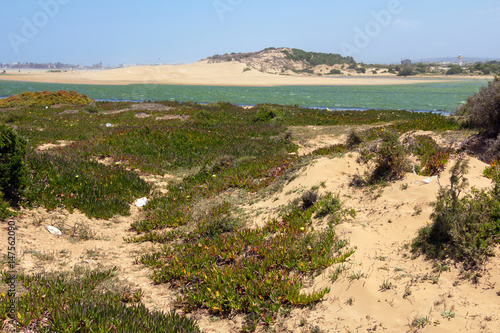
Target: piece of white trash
x,y
141,202
429,180
53,230
109,125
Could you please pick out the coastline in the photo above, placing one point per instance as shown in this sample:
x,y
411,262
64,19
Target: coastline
x,y
204,74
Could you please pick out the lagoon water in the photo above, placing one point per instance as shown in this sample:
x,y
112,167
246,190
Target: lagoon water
x,y
438,96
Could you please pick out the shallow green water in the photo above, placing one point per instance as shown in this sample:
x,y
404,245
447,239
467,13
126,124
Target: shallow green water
x,y
442,96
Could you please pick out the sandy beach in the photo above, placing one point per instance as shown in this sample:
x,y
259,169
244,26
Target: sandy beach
x,y
203,73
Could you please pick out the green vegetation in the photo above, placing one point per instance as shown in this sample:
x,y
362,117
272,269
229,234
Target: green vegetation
x,y
406,71
483,108
390,159
482,113
86,301
45,98
318,58
432,157
488,68
465,227
73,182
210,257
454,69
13,171
252,271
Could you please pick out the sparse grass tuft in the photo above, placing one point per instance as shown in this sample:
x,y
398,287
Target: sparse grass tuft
x,y
420,322
386,285
356,276
448,314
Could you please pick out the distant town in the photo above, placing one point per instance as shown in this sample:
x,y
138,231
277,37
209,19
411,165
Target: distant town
x,y
59,66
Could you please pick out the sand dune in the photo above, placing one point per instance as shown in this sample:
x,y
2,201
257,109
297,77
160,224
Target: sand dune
x,y
199,73
382,228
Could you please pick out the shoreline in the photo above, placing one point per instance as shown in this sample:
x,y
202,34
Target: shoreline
x,y
204,74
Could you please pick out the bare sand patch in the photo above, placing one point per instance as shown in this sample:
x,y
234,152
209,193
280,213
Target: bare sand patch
x,y
48,146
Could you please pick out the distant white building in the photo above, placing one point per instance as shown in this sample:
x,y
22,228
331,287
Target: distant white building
x,y
460,60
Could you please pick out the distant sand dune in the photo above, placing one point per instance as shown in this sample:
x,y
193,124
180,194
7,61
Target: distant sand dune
x,y
199,73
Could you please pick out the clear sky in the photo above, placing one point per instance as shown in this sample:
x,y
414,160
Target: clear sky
x,y
183,31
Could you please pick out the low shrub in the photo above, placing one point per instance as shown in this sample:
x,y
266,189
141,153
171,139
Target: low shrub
x,y
390,159
454,69
353,140
217,221
464,227
483,108
331,205
266,113
44,98
309,198
13,171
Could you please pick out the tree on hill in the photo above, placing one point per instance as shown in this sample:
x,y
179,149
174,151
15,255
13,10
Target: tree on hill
x,y
406,71
318,58
454,69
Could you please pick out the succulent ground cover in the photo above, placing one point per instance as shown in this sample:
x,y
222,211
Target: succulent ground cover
x,y
213,259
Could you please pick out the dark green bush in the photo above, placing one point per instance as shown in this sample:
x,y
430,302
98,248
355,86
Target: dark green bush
x,y
353,140
483,108
465,227
406,71
390,159
266,113
13,172
454,69
308,199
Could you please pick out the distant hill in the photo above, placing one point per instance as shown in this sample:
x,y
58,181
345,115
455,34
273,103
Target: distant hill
x,y
287,61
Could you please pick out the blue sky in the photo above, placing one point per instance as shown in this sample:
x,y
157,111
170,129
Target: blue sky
x,y
175,31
